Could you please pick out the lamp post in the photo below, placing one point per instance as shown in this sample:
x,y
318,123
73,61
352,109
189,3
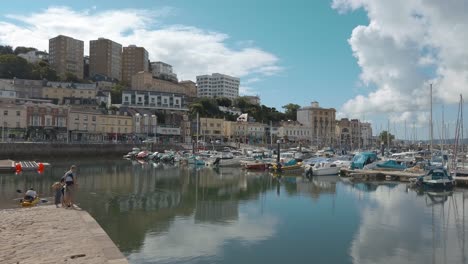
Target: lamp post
x,y
3,127
278,151
153,126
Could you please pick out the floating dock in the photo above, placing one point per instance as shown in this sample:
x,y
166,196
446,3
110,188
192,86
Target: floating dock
x,y
8,166
403,176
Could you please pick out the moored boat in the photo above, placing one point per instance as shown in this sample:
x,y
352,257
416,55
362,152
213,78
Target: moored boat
x,y
325,168
436,179
25,203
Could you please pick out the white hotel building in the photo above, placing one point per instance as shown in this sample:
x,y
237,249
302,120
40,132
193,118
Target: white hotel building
x,y
218,85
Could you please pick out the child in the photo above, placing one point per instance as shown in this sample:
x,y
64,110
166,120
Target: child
x,y
58,188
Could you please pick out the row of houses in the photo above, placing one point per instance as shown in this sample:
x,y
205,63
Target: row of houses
x,y
346,133
44,121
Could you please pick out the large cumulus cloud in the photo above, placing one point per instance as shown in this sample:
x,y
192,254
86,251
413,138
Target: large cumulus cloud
x,y
407,45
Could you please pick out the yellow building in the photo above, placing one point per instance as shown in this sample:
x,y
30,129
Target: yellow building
x,y
61,93
211,128
83,124
13,121
321,121
87,124
144,81
115,124
245,132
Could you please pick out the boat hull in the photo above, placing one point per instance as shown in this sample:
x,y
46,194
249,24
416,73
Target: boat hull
x,y
30,203
325,171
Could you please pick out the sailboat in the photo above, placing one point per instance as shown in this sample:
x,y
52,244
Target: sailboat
x,y
459,169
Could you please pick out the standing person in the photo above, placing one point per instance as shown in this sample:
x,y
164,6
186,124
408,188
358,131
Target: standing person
x,y
58,187
70,185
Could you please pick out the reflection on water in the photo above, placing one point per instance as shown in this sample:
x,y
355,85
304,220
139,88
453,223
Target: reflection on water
x,y
165,214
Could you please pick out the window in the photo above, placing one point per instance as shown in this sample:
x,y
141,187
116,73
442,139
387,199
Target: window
x,y
5,112
85,118
77,117
18,113
94,118
17,124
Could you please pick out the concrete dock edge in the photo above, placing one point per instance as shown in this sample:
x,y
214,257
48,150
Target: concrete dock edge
x,y
45,234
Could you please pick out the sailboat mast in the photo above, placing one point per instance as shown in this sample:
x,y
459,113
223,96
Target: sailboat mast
x,y
443,130
198,128
430,120
388,134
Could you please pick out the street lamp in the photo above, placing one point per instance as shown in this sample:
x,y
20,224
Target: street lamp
x,y
278,151
154,121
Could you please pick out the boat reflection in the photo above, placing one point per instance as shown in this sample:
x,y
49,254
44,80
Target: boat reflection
x,y
392,212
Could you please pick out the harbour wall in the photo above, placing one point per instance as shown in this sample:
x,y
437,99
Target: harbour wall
x,y
34,151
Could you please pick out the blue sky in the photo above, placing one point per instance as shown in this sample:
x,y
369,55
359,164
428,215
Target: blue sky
x,y
296,51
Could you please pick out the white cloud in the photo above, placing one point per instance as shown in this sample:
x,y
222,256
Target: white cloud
x,y
379,238
190,50
407,45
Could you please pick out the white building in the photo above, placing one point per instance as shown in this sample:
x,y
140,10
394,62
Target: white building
x,y
218,85
163,70
7,93
154,100
295,132
34,56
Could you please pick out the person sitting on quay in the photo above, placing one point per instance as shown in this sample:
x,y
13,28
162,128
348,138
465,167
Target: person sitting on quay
x,y
30,195
70,185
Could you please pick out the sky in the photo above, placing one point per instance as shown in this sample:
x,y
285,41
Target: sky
x,y
368,59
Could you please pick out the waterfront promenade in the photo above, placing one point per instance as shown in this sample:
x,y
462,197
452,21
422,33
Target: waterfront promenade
x,y
46,234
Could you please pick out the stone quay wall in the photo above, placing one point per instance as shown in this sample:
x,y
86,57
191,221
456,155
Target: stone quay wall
x,y
22,151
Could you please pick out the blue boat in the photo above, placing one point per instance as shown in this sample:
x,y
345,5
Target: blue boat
x,y
436,179
390,165
362,159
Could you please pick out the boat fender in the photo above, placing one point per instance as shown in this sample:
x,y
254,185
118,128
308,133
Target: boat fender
x,y
18,168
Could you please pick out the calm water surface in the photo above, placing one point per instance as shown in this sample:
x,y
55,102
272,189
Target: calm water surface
x,y
185,215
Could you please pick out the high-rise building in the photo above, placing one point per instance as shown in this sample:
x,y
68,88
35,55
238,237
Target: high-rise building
x,y
134,60
218,85
321,121
105,58
66,55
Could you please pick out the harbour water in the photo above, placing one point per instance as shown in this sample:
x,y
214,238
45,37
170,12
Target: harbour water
x,y
166,214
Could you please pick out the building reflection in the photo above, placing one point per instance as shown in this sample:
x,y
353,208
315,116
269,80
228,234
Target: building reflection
x,y
318,185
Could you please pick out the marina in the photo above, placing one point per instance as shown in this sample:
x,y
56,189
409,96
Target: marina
x,y
160,212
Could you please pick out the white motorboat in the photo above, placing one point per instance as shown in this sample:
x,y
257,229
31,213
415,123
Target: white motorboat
x,y
325,168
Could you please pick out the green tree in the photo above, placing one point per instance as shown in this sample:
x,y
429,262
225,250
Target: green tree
x,y
291,111
70,77
384,135
224,101
6,50
13,66
42,70
20,50
116,93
